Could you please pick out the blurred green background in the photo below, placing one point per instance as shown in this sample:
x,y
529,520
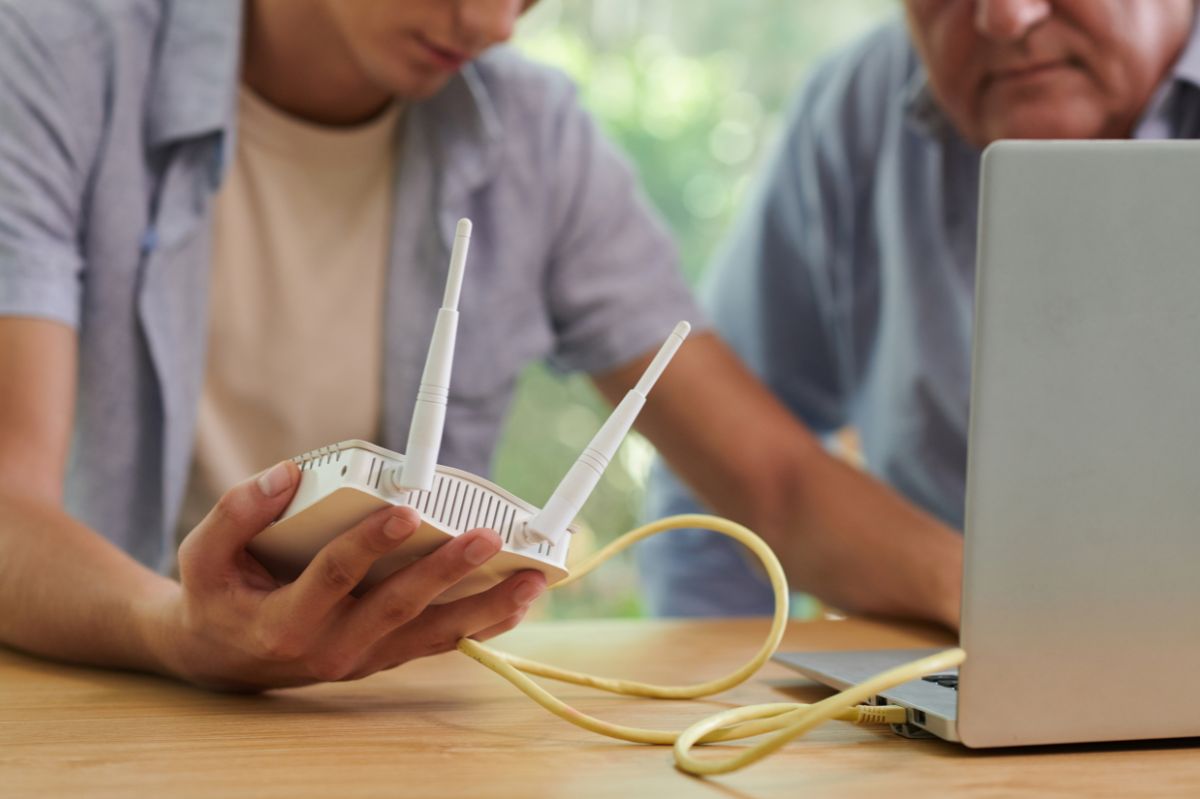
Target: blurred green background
x,y
694,93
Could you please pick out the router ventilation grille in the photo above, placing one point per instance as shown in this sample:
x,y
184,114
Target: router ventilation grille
x,y
460,505
454,504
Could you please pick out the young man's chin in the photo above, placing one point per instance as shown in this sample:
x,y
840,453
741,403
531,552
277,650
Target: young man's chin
x,y
414,88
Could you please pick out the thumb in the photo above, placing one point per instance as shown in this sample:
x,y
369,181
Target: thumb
x,y
243,512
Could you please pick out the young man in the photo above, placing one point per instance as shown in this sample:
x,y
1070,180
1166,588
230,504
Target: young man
x,y
159,339
848,284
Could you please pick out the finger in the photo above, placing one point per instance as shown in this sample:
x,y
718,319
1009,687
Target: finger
x,y
488,613
344,562
393,652
239,515
501,628
472,615
405,595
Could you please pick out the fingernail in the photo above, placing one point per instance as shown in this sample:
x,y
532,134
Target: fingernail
x,y
527,591
396,528
480,550
275,479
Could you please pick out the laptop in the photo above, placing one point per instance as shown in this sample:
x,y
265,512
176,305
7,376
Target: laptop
x,y
1081,574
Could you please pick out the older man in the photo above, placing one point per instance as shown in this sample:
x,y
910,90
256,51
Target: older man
x,y
848,283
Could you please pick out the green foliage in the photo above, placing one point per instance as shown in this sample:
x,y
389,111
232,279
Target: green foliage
x,y
693,93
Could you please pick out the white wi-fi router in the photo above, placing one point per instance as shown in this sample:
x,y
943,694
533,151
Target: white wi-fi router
x,y
343,483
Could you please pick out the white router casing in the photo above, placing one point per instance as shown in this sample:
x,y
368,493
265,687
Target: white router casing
x,y
342,484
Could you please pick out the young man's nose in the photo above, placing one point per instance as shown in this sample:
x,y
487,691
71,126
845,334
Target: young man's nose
x,y
483,23
1009,20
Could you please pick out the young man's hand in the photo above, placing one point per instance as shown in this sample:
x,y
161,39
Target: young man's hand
x,y
231,625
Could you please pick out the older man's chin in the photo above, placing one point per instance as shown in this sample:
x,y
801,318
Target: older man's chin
x,y
1049,118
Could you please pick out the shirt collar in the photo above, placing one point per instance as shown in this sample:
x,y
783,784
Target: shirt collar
x,y
1187,67
463,122
921,110
195,80
463,131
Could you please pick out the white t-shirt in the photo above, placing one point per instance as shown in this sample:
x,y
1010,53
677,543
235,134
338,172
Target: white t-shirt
x,y
302,227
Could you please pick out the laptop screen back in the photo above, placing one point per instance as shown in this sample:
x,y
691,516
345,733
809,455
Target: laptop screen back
x,y
1081,613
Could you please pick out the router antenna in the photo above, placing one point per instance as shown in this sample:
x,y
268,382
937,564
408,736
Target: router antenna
x,y
429,414
550,523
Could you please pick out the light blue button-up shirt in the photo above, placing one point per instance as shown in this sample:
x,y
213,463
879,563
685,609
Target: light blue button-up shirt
x,y
115,124
848,287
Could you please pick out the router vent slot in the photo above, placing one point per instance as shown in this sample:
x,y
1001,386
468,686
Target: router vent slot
x,y
422,498
456,510
463,518
489,514
474,506
506,520
317,457
439,504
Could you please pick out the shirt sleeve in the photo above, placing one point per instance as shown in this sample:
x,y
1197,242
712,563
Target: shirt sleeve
x,y
778,289
614,286
41,180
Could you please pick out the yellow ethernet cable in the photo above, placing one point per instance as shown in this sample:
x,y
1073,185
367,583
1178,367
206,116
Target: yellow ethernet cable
x,y
780,721
334,501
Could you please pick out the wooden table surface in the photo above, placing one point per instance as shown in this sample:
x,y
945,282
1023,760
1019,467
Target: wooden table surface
x,y
446,726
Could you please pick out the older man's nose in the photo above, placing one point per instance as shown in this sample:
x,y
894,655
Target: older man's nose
x,y
1009,20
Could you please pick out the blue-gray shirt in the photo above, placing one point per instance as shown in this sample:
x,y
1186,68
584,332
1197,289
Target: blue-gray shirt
x,y
116,120
848,285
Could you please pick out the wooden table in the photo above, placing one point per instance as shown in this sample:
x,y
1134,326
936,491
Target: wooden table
x,y
445,726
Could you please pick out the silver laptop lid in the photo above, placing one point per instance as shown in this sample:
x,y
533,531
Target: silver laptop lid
x,y
1081,614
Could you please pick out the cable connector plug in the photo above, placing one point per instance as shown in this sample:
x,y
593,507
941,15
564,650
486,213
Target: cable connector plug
x,y
880,714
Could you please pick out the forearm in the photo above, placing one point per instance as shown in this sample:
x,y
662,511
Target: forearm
x,y
852,541
67,593
840,534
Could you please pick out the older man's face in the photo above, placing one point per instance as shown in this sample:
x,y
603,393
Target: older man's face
x,y
1038,69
